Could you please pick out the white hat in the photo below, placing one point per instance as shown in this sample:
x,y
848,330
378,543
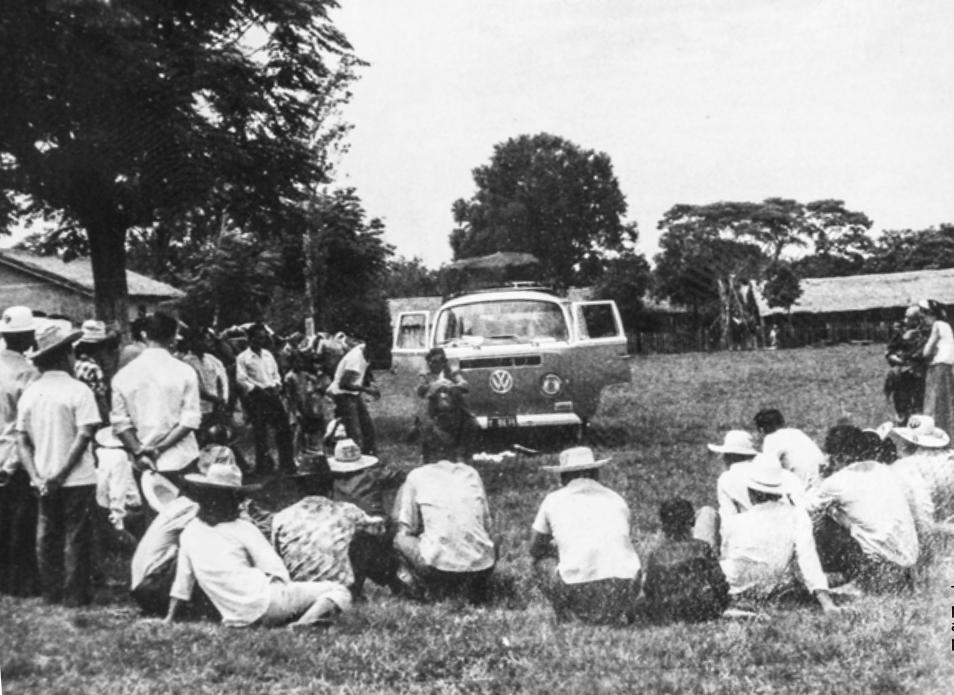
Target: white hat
x,y
105,437
736,442
157,490
764,473
223,476
348,458
922,431
94,332
53,334
17,319
578,458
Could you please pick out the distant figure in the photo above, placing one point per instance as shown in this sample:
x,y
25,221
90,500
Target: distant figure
x,y
90,363
353,378
904,383
939,351
583,556
795,449
213,379
773,338
684,581
447,427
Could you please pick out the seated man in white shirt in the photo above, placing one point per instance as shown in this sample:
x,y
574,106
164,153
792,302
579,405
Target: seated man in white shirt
x,y
864,527
584,560
443,538
795,449
237,568
768,553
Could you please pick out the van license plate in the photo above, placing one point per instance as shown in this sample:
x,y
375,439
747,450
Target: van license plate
x,y
499,422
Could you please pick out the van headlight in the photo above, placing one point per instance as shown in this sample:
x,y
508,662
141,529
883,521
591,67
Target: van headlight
x,y
551,385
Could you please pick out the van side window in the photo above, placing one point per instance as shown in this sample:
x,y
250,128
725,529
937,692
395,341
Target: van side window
x,y
596,321
412,333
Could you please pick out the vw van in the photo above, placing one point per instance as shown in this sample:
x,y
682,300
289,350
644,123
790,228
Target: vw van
x,y
530,357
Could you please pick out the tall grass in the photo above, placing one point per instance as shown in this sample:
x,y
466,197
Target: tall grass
x,y
656,430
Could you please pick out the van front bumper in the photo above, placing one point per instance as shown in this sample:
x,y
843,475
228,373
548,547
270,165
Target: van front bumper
x,y
534,420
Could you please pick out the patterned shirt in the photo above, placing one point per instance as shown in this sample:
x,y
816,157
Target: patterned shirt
x,y
90,373
312,537
929,475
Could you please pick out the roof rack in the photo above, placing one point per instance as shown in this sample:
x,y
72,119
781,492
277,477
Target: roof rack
x,y
506,287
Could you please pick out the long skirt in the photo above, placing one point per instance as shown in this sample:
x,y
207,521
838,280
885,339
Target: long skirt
x,y
939,396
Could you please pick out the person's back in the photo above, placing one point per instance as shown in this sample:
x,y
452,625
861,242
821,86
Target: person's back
x,y
797,452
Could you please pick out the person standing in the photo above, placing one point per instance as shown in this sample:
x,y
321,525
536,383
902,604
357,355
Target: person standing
x,y
156,404
56,419
258,378
353,378
213,380
905,354
89,363
583,557
18,504
939,382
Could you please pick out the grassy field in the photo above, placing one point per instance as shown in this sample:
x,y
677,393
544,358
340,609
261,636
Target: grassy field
x,y
656,430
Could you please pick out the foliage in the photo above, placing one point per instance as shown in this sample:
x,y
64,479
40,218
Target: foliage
x,y
656,435
549,197
135,114
409,277
782,287
626,280
924,249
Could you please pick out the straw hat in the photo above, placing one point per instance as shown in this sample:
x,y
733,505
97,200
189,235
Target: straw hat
x,y
157,490
105,437
221,476
17,319
94,332
764,473
736,442
922,431
578,458
348,458
52,335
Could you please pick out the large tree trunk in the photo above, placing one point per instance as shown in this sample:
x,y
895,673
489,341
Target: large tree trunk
x,y
107,246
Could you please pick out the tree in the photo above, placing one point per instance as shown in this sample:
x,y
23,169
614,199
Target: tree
x,y
839,237
924,249
409,277
545,196
626,279
782,287
138,114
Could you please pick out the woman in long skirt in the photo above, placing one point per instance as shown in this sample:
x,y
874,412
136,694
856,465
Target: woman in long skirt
x,y
939,382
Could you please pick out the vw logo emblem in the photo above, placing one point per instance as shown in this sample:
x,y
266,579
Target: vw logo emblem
x,y
501,381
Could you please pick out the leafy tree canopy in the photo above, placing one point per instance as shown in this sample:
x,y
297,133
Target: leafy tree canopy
x,y
409,277
136,113
782,287
924,249
545,196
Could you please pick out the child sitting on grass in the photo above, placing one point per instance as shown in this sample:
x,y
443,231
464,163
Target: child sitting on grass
x,y
684,581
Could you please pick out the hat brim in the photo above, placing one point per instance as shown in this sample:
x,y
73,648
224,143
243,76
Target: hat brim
x,y
351,466
155,487
59,345
199,480
577,466
938,440
780,489
722,449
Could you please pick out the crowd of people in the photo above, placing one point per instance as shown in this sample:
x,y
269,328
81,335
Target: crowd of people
x,y
142,454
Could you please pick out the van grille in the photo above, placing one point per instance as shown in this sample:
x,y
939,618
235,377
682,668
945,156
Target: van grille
x,y
497,362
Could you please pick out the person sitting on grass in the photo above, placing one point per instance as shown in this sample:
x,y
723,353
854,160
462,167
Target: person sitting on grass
x,y
795,449
684,581
583,557
768,553
233,563
443,539
864,527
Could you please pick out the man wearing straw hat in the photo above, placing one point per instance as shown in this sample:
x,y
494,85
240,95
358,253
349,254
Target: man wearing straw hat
x,y
55,423
584,560
233,563
18,505
763,548
89,362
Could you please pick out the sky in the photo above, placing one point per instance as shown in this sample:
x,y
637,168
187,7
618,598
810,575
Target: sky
x,y
695,101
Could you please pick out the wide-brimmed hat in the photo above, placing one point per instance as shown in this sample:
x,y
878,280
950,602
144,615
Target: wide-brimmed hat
x,y
348,458
221,476
94,332
105,437
578,458
17,319
922,431
53,335
736,442
764,473
158,490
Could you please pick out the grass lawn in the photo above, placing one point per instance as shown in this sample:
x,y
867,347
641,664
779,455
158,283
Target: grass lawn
x,y
656,430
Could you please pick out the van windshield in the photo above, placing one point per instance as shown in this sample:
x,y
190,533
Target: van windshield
x,y
523,321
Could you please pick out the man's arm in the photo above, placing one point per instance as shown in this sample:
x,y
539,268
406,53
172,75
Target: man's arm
x,y
809,564
541,545
25,450
350,381
80,443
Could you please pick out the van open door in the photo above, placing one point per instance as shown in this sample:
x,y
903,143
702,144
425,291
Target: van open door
x,y
411,338
599,332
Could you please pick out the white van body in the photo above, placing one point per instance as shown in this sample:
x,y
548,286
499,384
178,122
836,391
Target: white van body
x,y
530,357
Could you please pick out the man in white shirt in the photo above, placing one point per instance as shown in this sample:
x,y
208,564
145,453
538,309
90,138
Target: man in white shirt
x,y
443,537
260,382
56,419
213,379
768,553
156,404
353,378
795,449
18,504
864,527
584,560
